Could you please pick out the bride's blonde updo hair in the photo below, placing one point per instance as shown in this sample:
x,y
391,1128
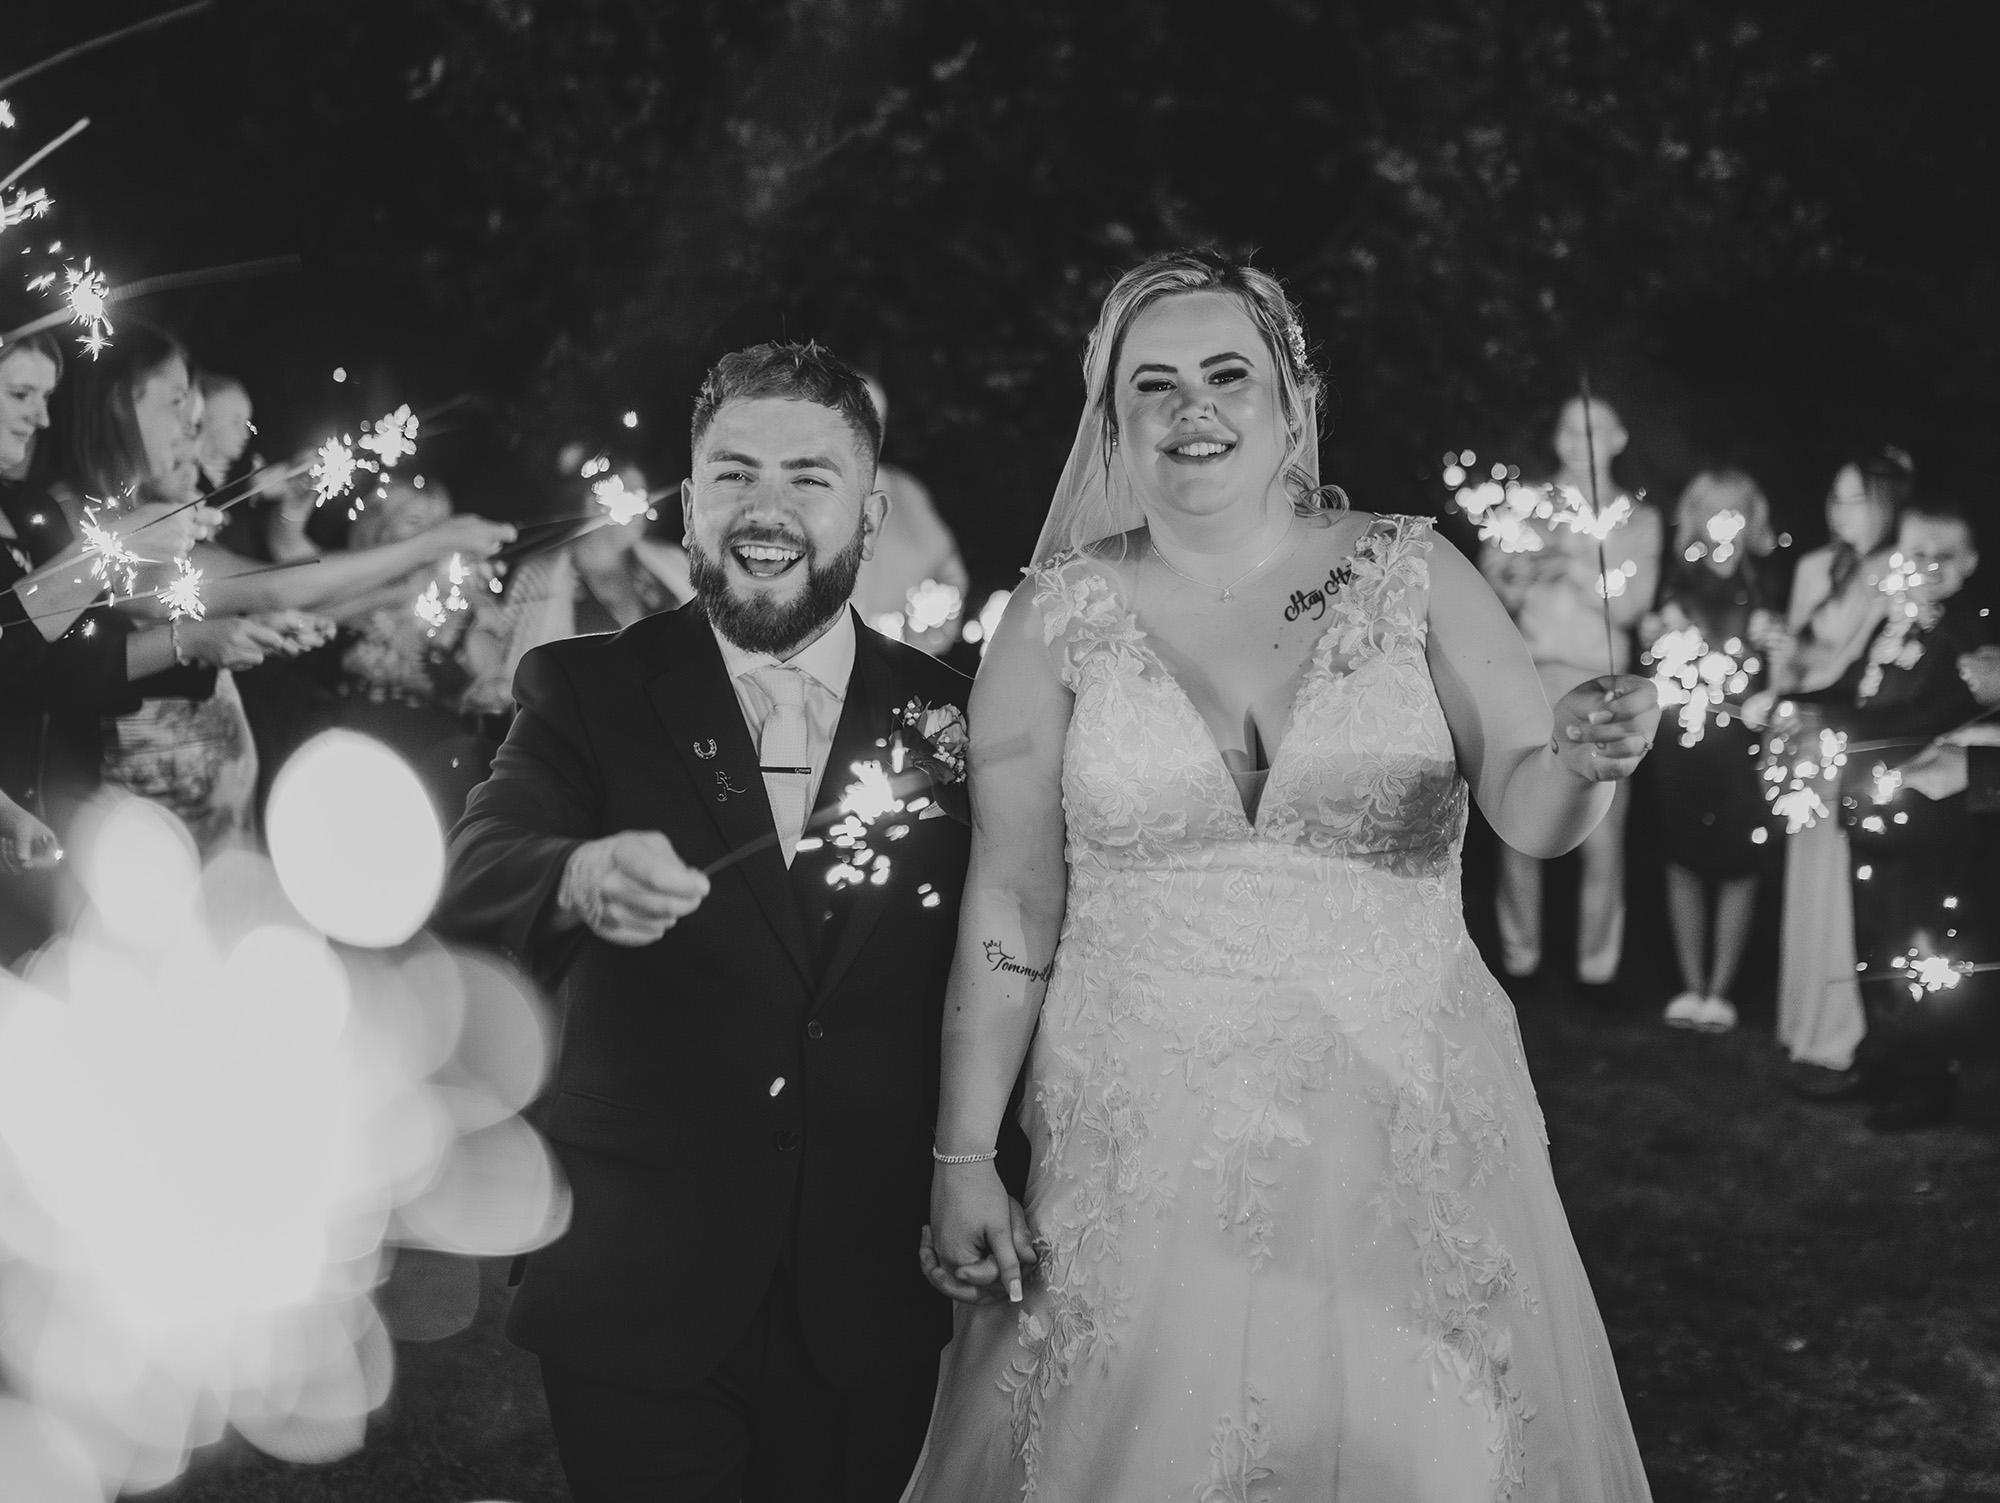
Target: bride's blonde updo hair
x,y
1093,499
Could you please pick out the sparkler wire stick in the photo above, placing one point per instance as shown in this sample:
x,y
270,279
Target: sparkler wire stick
x,y
1596,516
514,553
75,130
77,610
912,780
165,18
1895,741
237,271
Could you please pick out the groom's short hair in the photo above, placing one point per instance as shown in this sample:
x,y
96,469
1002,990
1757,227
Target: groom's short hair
x,y
808,372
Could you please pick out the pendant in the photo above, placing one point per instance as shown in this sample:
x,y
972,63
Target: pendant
x,y
1228,595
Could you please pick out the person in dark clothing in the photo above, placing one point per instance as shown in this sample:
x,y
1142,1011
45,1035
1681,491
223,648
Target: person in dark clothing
x,y
1915,866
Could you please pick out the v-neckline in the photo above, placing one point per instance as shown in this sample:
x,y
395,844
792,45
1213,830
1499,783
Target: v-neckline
x,y
1334,613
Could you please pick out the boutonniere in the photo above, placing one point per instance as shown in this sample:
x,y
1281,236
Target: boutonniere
x,y
933,739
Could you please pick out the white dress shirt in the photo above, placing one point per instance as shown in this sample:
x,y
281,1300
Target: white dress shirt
x,y
826,666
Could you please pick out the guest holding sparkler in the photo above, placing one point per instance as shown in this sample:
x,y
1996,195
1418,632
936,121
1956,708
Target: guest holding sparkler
x,y
914,586
1705,639
268,520
1561,602
1914,856
1837,603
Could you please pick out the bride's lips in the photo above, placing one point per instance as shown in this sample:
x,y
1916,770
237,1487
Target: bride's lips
x,y
1198,448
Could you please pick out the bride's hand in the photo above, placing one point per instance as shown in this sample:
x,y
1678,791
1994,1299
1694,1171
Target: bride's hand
x,y
978,1243
1605,726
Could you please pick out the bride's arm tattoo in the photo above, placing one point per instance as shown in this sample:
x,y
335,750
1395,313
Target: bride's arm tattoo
x,y
997,959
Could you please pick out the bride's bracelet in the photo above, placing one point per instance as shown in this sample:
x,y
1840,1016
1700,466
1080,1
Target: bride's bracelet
x,y
965,1158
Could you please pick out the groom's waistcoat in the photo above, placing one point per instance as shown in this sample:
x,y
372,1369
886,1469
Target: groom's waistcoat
x,y
761,1084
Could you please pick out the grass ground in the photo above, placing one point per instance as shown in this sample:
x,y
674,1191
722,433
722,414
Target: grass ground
x,y
1800,1310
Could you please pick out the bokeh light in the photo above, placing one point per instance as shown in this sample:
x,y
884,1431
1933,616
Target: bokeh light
x,y
355,840
215,1130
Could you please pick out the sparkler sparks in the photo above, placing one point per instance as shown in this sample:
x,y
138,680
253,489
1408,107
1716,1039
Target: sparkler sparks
x,y
1700,679
441,600
621,503
86,292
113,564
930,605
333,469
27,203
1799,764
182,594
391,437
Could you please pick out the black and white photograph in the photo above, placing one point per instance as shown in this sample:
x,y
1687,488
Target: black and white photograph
x,y
1088,751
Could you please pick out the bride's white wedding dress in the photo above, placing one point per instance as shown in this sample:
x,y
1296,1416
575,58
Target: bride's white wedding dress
x,y
1300,1236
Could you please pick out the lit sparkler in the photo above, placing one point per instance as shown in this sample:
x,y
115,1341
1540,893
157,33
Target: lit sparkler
x,y
1800,765
114,565
26,204
1721,530
931,605
876,794
1700,679
86,292
621,503
333,469
443,599
182,594
391,437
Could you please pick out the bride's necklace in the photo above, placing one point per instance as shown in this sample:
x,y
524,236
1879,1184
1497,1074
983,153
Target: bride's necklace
x,y
1228,590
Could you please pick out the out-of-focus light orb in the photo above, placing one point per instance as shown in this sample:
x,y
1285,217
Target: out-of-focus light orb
x,y
139,866
631,420
355,840
40,1460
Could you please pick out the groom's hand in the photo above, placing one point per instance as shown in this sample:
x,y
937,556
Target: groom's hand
x,y
982,1245
628,888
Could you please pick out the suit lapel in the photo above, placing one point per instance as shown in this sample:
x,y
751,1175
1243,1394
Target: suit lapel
x,y
697,705
863,736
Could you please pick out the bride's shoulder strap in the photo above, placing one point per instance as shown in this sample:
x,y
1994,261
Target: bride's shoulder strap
x,y
1079,606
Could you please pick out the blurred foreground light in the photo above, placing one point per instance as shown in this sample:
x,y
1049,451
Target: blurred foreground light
x,y
215,1129
355,840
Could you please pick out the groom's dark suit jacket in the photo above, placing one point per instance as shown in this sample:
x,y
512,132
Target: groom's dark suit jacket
x,y
759,1087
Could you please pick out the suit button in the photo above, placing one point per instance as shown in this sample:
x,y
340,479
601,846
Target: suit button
x,y
787,1139
814,1030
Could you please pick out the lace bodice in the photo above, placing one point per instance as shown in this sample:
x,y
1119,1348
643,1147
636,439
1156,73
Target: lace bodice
x,y
1364,769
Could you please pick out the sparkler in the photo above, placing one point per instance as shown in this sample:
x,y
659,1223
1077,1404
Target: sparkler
x,y
1700,679
35,157
28,203
434,606
930,605
1599,525
182,594
165,18
1800,764
875,794
333,469
391,437
85,295
110,560
621,503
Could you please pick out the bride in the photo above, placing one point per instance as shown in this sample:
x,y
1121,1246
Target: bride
x,y
1290,1230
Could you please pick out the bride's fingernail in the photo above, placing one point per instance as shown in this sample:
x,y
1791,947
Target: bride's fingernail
x,y
1014,1290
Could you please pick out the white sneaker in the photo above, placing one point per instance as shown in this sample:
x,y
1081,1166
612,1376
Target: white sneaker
x,y
1685,1011
1715,1015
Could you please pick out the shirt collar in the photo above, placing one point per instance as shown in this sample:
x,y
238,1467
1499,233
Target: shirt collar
x,y
829,661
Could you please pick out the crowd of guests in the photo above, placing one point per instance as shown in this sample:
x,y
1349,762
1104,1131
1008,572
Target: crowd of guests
x,y
1878,639
408,627
1886,905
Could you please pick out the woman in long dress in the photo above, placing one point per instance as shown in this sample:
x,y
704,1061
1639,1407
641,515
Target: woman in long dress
x,y
1290,1229
1836,605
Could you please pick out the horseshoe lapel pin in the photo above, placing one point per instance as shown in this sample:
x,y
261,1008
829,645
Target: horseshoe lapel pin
x,y
705,750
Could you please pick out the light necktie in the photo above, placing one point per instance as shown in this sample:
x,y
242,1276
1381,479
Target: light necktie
x,y
785,754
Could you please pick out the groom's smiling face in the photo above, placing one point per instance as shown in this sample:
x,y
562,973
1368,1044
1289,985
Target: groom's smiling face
x,y
780,512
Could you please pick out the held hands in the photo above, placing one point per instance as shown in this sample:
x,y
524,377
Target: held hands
x,y
981,1243
629,888
1605,726
231,641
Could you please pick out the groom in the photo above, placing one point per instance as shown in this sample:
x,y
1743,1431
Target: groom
x,y
749,1067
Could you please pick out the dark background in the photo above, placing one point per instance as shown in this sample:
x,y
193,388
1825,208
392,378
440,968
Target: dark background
x,y
1765,226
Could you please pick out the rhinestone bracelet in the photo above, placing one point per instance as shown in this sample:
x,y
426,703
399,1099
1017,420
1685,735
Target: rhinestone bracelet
x,y
965,1158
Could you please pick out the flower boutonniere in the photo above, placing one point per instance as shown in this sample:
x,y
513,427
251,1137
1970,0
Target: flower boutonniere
x,y
933,739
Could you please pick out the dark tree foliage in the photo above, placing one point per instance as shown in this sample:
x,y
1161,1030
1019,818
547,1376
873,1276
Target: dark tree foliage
x,y
1760,225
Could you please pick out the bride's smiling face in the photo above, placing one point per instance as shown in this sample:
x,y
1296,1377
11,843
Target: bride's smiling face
x,y
1201,421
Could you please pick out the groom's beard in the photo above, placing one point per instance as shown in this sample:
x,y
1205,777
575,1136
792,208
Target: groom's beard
x,y
759,624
